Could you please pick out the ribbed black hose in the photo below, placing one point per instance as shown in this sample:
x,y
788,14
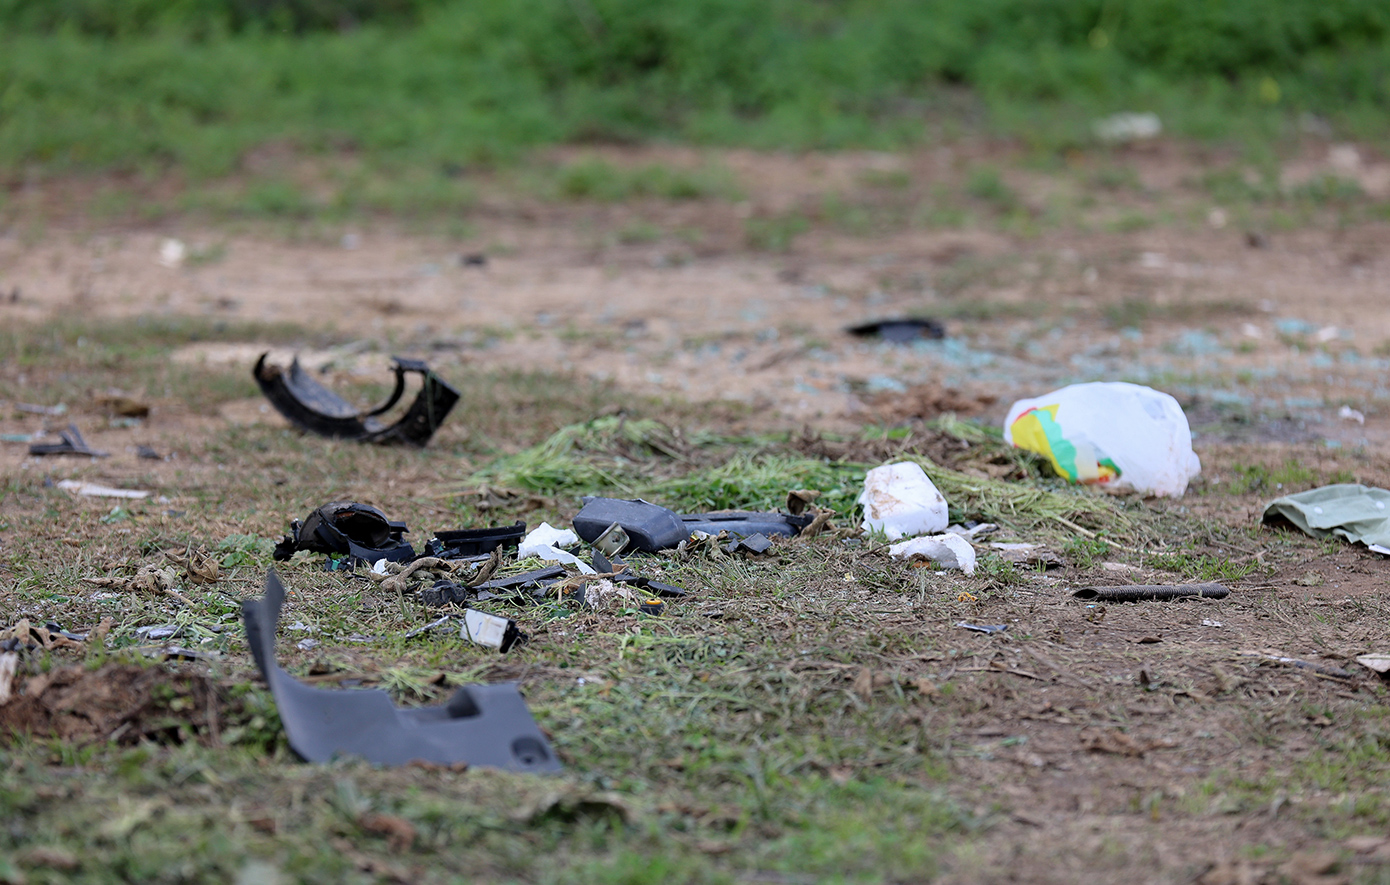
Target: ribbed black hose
x,y
1140,592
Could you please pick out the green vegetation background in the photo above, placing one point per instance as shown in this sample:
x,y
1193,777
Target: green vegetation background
x,y
195,84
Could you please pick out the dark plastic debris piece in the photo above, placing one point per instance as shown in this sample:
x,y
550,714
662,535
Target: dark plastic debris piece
x,y
533,582
72,444
466,543
1142,592
443,593
651,527
746,524
642,582
524,580
603,565
901,330
56,628
483,725
346,527
755,545
311,406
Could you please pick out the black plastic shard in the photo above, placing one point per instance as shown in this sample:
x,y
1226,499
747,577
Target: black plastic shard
x,y
310,406
485,725
472,542
900,330
72,444
755,544
746,524
651,527
347,527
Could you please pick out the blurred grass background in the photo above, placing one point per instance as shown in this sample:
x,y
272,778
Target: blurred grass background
x,y
195,85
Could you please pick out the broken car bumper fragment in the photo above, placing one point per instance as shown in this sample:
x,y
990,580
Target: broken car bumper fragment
x,y
310,406
485,725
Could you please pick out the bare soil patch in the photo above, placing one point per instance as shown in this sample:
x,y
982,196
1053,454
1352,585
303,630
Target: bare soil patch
x,y
117,703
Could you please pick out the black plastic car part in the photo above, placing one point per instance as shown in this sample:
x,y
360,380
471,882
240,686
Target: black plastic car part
x,y
464,543
533,583
310,406
900,330
358,530
745,524
484,725
72,444
651,527
756,545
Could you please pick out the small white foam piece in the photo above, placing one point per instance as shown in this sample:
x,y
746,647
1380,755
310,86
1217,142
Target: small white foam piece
x,y
93,490
544,541
172,252
9,665
1347,413
546,535
948,551
901,501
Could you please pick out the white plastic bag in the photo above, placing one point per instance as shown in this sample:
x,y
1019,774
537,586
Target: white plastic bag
x,y
948,551
545,541
1123,436
902,501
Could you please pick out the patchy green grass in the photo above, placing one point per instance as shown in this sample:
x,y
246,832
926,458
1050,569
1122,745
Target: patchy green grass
x,y
647,459
1204,566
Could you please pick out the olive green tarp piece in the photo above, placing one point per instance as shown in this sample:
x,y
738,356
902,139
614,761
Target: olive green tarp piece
x,y
1354,512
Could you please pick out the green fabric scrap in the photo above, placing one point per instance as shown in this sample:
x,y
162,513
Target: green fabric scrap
x,y
1354,512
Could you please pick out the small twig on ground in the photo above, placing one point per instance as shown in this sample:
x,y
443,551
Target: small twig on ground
x,y
1087,533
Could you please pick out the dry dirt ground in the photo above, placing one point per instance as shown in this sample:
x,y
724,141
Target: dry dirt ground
x,y
1150,742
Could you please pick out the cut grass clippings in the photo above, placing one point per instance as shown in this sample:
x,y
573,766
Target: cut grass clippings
x,y
613,456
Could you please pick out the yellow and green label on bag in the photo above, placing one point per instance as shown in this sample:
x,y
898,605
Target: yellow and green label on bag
x,y
1037,430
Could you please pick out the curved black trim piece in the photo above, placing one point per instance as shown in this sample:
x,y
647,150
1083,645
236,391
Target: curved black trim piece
x,y
312,407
